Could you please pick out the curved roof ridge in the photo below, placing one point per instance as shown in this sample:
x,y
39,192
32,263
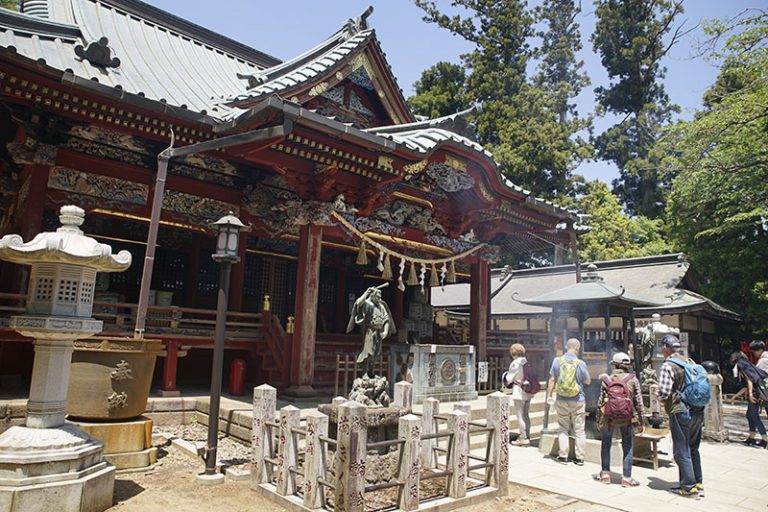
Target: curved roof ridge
x,y
353,27
38,26
436,122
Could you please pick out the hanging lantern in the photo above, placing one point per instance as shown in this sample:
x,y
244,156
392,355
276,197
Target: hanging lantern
x,y
386,272
451,276
412,279
433,280
362,254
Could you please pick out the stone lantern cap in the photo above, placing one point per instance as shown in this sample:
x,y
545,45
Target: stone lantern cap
x,y
68,244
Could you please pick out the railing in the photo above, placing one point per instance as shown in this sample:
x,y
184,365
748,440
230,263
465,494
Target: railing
x,y
119,318
294,464
347,366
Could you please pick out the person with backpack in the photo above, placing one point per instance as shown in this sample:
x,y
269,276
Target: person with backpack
x,y
757,348
524,383
753,376
684,390
620,406
568,376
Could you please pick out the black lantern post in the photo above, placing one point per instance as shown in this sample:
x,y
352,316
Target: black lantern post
x,y
228,230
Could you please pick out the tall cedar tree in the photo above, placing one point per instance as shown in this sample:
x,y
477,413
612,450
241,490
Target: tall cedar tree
x,y
441,91
630,38
517,120
718,205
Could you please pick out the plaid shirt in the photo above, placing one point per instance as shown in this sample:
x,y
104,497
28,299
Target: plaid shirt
x,y
671,384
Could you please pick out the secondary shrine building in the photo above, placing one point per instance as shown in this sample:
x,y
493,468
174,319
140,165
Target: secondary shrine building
x,y
344,186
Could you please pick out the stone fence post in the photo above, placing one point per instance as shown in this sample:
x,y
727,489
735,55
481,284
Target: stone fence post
x,y
349,462
286,450
498,417
430,409
264,403
409,430
317,425
458,424
467,409
403,395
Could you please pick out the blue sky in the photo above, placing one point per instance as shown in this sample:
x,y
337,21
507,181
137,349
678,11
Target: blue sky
x,y
289,27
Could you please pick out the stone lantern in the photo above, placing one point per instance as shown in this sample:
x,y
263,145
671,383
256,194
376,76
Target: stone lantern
x,y
46,457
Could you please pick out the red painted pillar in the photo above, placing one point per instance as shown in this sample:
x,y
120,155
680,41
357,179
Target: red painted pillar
x,y
170,365
479,306
398,308
34,178
307,284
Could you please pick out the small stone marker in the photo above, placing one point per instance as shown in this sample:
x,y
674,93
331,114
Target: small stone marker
x,y
317,425
264,403
498,417
403,395
286,450
349,462
458,424
430,409
409,430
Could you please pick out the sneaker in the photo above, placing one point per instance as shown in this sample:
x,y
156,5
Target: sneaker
x,y
700,488
750,441
562,460
762,443
603,477
521,442
629,482
685,493
578,462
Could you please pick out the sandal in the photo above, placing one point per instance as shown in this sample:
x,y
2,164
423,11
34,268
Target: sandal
x,y
603,477
629,482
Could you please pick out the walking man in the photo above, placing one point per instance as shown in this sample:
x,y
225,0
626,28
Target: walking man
x,y
568,376
679,380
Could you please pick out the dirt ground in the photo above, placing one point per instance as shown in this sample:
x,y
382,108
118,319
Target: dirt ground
x,y
172,487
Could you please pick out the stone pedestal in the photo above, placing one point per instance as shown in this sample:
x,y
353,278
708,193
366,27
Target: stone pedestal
x,y
59,468
445,372
714,426
549,445
127,444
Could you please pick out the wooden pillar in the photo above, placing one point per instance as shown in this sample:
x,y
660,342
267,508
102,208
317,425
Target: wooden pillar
x,y
635,349
581,333
191,291
479,306
398,308
608,343
307,284
342,303
170,366
30,214
235,302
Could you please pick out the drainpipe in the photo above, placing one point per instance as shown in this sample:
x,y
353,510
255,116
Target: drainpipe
x,y
157,200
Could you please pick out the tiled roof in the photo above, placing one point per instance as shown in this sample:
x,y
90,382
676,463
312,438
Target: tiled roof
x,y
661,279
176,62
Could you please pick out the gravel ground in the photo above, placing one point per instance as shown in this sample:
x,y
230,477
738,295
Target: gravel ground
x,y
230,452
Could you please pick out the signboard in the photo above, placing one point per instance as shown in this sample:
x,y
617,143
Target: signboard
x,y
482,372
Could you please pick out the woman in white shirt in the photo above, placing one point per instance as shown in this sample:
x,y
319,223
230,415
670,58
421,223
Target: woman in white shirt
x,y
514,378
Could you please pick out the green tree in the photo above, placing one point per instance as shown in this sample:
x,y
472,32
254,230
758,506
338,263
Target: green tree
x,y
10,4
519,121
440,91
718,205
630,38
613,234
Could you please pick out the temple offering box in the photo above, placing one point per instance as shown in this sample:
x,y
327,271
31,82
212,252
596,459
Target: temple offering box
x,y
445,372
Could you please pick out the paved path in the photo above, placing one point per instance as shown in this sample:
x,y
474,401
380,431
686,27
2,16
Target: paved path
x,y
735,478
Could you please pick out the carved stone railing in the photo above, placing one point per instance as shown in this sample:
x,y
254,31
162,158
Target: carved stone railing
x,y
291,463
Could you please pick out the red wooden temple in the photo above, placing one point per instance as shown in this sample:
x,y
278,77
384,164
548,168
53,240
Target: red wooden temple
x,y
323,154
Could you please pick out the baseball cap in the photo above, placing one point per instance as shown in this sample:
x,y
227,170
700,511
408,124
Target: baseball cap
x,y
671,341
620,358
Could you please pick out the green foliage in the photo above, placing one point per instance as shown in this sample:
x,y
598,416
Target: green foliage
x,y
441,91
10,4
718,205
613,234
629,35
526,125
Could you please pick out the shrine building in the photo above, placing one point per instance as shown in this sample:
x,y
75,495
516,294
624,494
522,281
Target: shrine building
x,y
344,187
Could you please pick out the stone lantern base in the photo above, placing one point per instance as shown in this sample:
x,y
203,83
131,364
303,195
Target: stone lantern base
x,y
59,468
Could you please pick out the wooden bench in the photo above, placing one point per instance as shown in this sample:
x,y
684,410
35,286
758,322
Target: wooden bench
x,y
648,442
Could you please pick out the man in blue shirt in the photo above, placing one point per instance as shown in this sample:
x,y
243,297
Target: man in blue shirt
x,y
568,376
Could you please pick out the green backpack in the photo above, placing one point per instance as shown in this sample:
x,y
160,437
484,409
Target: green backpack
x,y
567,385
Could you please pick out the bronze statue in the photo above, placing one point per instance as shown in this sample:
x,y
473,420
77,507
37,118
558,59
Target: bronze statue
x,y
376,321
